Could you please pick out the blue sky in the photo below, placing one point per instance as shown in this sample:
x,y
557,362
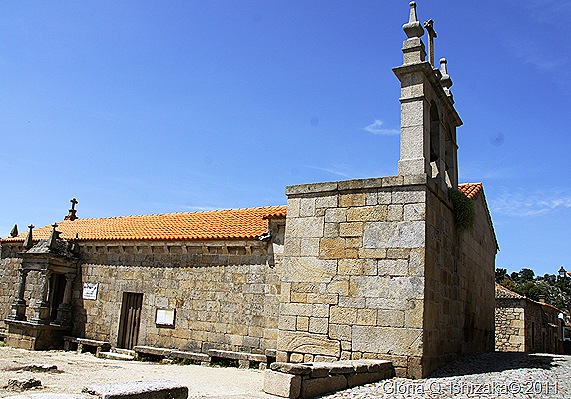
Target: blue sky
x,y
138,107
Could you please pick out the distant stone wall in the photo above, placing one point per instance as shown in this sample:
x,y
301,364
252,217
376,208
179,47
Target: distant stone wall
x,y
523,325
225,293
510,325
460,282
353,280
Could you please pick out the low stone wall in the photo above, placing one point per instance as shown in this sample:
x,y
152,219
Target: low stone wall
x,y
309,380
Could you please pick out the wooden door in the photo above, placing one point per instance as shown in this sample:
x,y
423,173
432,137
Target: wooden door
x,y
130,320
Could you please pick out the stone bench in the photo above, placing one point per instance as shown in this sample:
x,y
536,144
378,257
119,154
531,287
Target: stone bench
x,y
82,344
139,390
200,358
309,380
244,359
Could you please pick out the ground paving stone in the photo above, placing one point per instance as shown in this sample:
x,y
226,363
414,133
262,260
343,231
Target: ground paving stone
x,y
487,376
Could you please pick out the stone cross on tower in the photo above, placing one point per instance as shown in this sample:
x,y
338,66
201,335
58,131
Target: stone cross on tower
x,y
428,118
429,26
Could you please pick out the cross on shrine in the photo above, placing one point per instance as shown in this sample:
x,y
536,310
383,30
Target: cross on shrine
x,y
72,215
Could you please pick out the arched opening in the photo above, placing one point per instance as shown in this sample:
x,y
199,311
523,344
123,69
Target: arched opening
x,y
450,158
435,155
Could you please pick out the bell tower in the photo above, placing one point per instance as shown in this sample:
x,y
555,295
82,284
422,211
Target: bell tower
x,y
428,117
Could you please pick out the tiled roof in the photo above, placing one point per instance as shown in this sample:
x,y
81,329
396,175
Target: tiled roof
x,y
212,225
503,292
246,223
470,190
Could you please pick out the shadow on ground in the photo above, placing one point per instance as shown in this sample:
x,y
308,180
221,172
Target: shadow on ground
x,y
496,362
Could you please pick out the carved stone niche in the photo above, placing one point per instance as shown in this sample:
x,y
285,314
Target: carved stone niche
x,y
57,262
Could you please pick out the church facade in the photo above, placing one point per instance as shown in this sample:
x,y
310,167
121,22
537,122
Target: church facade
x,y
398,268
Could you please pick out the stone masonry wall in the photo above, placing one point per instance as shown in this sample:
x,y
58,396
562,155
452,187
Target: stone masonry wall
x,y
8,286
225,294
510,325
353,272
10,281
460,281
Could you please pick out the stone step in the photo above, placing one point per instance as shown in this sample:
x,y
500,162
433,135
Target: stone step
x,y
124,351
116,356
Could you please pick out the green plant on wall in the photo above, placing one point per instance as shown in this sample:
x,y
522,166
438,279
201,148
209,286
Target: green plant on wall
x,y
464,210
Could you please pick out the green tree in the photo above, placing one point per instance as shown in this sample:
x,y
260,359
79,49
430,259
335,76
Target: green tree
x,y
526,274
557,291
501,275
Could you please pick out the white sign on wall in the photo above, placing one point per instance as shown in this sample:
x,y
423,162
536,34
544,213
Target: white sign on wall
x,y
165,317
90,290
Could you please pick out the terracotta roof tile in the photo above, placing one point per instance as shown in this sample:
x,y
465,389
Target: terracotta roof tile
x,y
470,190
247,223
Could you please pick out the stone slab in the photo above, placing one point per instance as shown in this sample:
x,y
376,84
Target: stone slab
x,y
291,368
150,350
397,341
282,384
319,386
311,188
139,390
116,356
300,342
237,355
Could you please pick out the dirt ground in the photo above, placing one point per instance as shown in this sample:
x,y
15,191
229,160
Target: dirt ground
x,y
76,371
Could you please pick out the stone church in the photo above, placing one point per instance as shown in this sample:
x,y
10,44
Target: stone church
x,y
399,268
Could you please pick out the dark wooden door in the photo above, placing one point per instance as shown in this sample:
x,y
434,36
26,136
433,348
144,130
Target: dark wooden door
x,y
130,320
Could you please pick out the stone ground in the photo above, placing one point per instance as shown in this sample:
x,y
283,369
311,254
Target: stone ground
x,y
506,375
491,375
78,370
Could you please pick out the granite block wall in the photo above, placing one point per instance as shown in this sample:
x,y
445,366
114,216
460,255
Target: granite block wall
x,y
460,281
510,325
375,268
353,272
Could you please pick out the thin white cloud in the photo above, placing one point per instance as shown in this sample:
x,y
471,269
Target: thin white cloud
x,y
198,208
332,171
377,128
524,204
